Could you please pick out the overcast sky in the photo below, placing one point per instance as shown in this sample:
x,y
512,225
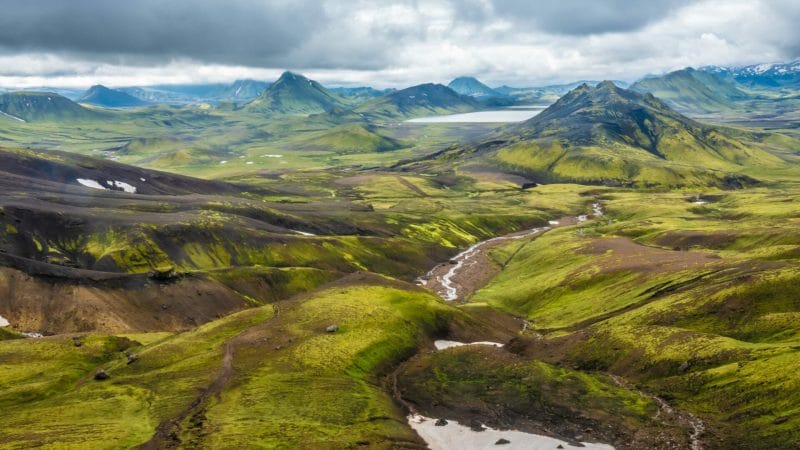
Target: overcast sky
x,y
77,43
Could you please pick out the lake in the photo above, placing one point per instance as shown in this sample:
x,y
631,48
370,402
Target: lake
x,y
494,116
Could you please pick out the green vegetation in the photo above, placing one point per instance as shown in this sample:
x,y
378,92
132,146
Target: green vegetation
x,y
278,359
306,208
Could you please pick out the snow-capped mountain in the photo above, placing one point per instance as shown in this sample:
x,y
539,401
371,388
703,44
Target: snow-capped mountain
x,y
762,75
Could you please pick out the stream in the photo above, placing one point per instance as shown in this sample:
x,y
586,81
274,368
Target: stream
x,y
455,280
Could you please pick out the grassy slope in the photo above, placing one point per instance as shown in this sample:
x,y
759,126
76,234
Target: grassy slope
x,y
711,325
267,402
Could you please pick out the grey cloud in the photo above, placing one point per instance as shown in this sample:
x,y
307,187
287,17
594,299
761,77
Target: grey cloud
x,y
247,32
577,17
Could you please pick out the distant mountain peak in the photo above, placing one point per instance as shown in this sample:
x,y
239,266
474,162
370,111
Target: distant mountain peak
x,y
472,87
293,93
100,95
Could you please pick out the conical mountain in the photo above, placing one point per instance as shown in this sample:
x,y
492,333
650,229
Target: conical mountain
x,y
294,94
100,95
608,135
472,87
421,100
41,106
692,91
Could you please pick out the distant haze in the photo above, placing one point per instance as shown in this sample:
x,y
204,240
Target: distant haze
x,y
381,43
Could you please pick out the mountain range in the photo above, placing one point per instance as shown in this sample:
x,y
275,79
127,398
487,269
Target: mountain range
x,y
693,91
768,75
422,100
609,135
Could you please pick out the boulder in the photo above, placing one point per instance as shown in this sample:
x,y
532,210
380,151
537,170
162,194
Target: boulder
x,y
476,425
101,375
502,441
332,328
441,422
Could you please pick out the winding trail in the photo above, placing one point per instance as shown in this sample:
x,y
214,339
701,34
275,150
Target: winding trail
x,y
168,432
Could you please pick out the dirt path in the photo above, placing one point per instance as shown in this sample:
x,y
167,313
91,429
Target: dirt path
x,y
412,186
168,432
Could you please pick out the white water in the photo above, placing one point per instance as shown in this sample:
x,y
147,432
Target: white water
x,y
3,322
498,116
456,436
451,291
444,344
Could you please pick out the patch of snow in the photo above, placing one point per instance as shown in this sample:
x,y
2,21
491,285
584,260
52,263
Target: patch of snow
x,y
143,179
443,344
303,233
583,218
13,117
699,202
90,183
553,222
761,68
457,436
3,322
271,156
32,334
249,162
597,209
223,162
123,185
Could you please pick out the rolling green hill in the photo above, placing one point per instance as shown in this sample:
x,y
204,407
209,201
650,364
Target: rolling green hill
x,y
691,90
349,138
294,94
42,106
422,100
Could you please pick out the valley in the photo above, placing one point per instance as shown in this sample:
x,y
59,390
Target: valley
x,y
292,266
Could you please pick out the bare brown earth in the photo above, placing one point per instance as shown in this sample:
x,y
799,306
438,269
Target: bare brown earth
x,y
50,306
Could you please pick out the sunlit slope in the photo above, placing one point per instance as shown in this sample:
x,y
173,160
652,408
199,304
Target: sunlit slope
x,y
608,135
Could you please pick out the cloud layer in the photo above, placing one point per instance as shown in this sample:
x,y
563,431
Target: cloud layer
x,y
383,42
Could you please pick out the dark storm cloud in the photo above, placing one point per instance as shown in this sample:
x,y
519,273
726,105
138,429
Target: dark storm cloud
x,y
247,32
576,17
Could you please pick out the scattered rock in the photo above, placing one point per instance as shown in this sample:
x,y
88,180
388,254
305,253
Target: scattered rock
x,y
780,420
683,367
132,357
441,422
163,274
560,446
476,425
101,375
502,441
332,328
76,341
